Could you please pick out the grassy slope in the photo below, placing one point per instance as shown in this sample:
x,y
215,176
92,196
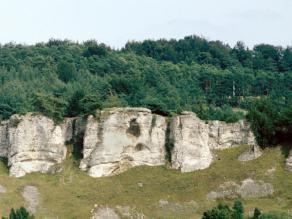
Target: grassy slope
x,y
72,194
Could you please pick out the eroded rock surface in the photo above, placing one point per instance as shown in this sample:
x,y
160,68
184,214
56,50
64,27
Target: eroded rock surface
x,y
122,138
190,137
224,135
2,189
248,189
193,140
103,212
251,154
31,196
289,162
36,144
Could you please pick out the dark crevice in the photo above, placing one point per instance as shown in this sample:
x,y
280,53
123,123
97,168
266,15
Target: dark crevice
x,y
134,128
169,144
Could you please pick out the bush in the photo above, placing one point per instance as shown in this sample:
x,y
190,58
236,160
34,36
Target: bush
x,y
20,213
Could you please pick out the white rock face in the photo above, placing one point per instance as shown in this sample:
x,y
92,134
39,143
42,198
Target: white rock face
x,y
190,137
36,144
289,162
224,135
123,138
193,140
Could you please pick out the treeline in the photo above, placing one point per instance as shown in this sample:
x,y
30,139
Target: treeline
x,y
197,49
64,78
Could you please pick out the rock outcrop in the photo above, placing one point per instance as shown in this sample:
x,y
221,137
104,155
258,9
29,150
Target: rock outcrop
x,y
224,135
190,137
36,144
249,188
289,162
122,138
251,154
193,140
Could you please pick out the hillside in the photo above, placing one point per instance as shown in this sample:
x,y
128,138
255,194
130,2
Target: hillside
x,y
74,193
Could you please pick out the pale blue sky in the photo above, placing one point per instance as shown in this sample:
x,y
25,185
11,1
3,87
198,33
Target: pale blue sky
x,y
114,22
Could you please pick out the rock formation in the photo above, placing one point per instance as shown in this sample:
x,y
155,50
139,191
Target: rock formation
x,y
36,144
190,137
251,154
249,188
193,140
122,138
289,162
224,135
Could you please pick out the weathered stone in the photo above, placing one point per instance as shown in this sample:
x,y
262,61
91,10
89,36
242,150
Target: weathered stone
x,y
226,190
123,138
104,212
193,140
248,189
2,189
31,196
224,135
189,135
251,154
289,162
36,144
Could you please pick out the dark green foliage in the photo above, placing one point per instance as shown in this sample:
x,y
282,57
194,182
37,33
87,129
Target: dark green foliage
x,y
238,210
271,120
222,211
256,213
20,213
51,105
66,71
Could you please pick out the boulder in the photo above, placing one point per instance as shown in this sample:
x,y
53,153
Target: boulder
x,y
122,138
249,188
251,154
190,137
289,162
31,196
36,144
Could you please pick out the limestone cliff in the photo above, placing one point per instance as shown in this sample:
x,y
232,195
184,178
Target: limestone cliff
x,y
35,144
226,135
189,135
193,140
116,140
122,138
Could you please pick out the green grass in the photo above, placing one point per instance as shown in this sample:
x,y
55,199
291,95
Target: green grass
x,y
72,194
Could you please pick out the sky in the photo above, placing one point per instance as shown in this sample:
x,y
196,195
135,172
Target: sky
x,y
114,22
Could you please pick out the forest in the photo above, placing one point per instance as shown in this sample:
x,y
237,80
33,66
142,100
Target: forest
x,y
61,78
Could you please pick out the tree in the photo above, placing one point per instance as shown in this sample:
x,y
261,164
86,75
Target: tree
x,y
20,213
222,211
256,213
238,209
66,71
